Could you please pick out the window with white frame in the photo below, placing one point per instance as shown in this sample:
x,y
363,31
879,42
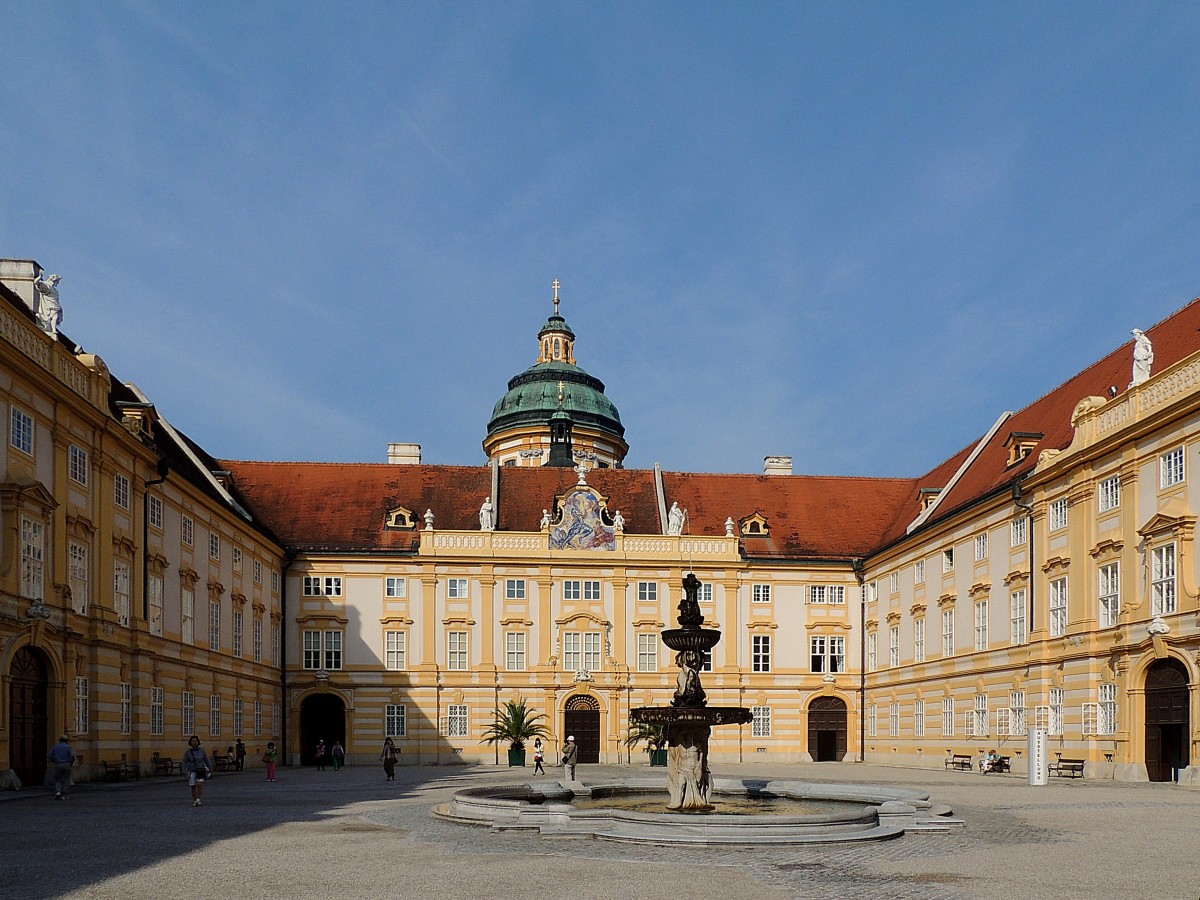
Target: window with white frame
x,y
871,591
704,595
1162,580
827,593
919,639
647,591
647,650
327,585
20,434
237,632
1107,694
1058,607
187,615
1050,717
591,651
894,646
947,717
981,625
760,653
456,720
395,587
155,512
121,491
214,715
919,718
237,560
706,661
977,718
761,723
121,591
872,651
275,719
126,707
82,708
214,625
872,721
187,531
574,589
156,710
919,572
1170,468
1019,532
1108,493
894,719
322,649
275,644
256,637
258,718
396,720
1110,594
1058,514
33,553
77,465
514,589
760,593
827,653
395,651
894,583
238,711
947,632
457,657
214,546
78,577
1016,702
981,547
154,603
948,559
188,713
458,589
257,568
274,582
514,651
1018,633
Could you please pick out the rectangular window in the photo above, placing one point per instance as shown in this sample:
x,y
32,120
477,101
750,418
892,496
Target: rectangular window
x,y
514,589
816,593
919,640
948,560
275,645
1170,468
155,515
760,653
187,531
458,589
760,593
837,593
396,722
648,591
121,491
78,577
238,711
82,709
1057,696
1110,595
1162,580
591,590
237,632
1108,708
126,707
323,649
214,546
977,718
214,625
121,591
214,715
761,726
1018,633
514,651
981,547
257,569
872,651
258,728
919,718
274,582
187,615
894,646
647,652
156,710
872,721
894,583
1019,532
237,560
457,659
326,586
33,554
919,572
705,594
395,652
456,720
828,654
591,651
1108,493
21,433
947,632
1016,702
154,601
77,465
947,717
1058,514
981,625
1058,607
894,719
188,718
572,590
871,591
333,650
275,713
572,651
817,652
256,640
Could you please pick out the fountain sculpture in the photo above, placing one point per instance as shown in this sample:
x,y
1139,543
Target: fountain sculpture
x,y
689,718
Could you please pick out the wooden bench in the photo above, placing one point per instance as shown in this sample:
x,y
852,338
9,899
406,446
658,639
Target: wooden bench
x,y
164,765
964,762
225,762
120,770
1002,764
1067,768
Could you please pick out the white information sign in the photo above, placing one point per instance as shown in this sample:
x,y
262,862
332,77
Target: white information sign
x,y
1039,752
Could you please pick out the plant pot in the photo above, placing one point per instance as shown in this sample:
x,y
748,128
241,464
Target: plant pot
x,y
516,757
658,757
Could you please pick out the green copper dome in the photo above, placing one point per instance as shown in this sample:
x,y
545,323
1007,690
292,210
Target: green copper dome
x,y
532,399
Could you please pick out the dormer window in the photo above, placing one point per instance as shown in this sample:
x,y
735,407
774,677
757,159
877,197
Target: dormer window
x,y
755,526
928,495
1020,444
401,518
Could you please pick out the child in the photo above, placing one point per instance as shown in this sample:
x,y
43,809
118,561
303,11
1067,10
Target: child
x,y
269,758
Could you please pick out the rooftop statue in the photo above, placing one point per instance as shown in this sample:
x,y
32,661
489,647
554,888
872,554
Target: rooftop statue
x,y
1143,357
49,312
675,519
487,515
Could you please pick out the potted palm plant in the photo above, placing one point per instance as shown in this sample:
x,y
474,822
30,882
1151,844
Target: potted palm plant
x,y
514,723
654,734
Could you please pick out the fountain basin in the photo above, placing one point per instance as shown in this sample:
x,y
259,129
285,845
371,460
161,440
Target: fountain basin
x,y
698,639
703,715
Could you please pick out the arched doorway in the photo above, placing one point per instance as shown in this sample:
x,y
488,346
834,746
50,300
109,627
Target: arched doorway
x,y
322,718
1167,723
581,717
827,729
27,725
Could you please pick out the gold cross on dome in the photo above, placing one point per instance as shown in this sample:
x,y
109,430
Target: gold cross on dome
x,y
554,284
560,393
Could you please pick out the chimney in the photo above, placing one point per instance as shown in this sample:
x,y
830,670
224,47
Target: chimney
x,y
404,454
18,275
777,465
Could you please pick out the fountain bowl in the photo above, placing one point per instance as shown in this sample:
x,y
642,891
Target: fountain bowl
x,y
699,639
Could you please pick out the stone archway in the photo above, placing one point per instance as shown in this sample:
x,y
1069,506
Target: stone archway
x,y
581,718
28,715
1167,721
827,730
322,718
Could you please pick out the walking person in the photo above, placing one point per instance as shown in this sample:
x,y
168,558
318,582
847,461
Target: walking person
x,y
196,766
63,757
389,759
320,755
570,756
239,751
538,757
270,757
339,755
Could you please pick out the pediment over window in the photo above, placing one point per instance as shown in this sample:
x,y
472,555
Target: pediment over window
x,y
754,526
1171,521
401,519
1106,549
24,493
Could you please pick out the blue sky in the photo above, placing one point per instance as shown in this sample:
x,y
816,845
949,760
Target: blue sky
x,y
853,233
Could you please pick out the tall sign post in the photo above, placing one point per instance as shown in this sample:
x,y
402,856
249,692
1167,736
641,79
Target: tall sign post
x,y
1039,752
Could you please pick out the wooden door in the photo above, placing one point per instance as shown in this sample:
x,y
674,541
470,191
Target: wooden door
x,y
1167,723
582,719
27,726
827,733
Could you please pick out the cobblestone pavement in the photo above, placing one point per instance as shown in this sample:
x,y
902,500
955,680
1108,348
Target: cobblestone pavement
x,y
351,834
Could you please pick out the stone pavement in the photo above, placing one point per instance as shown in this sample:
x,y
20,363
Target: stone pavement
x,y
350,834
